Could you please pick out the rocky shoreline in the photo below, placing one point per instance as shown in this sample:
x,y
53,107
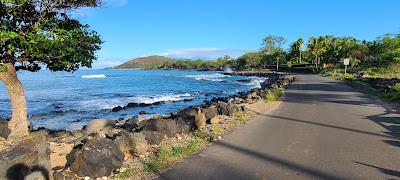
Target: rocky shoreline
x,y
104,147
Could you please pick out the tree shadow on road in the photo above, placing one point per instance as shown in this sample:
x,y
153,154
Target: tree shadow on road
x,y
383,170
392,142
280,162
327,125
314,93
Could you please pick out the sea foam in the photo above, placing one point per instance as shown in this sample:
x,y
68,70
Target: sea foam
x,y
209,77
162,98
94,76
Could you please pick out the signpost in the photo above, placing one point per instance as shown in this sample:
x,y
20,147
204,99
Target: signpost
x,y
346,62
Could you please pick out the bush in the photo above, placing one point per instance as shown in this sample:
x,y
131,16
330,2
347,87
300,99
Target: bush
x,y
241,118
273,94
393,94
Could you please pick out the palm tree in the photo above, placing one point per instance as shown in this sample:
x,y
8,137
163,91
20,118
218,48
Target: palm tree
x,y
313,47
317,47
299,44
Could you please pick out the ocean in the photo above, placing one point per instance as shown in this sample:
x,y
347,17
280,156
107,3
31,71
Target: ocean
x,y
62,100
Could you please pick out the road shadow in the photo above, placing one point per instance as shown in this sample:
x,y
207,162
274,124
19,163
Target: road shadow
x,y
210,169
327,125
280,162
217,168
383,170
338,92
392,142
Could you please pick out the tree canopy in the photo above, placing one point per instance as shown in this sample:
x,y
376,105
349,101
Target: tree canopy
x,y
36,33
41,33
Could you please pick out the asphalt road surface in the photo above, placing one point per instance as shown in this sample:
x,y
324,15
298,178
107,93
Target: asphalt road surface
x,y
322,129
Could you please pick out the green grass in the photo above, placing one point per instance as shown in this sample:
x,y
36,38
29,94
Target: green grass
x,y
167,156
217,131
125,174
338,74
274,95
201,134
241,118
393,95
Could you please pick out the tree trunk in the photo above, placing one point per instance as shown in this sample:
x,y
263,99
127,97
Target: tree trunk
x,y
19,119
277,65
315,62
300,56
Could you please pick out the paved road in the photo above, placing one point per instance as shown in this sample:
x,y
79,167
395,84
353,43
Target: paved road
x,y
322,129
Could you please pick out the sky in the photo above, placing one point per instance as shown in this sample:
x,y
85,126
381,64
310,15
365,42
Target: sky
x,y
212,28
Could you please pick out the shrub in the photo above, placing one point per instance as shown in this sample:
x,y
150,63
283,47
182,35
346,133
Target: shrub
x,y
273,94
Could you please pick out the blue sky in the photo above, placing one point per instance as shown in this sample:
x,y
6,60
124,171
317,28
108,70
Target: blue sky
x,y
211,28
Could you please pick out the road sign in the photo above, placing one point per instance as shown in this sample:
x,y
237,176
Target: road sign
x,y
346,61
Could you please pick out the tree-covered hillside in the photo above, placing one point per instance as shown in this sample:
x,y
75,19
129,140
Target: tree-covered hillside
x,y
377,58
150,62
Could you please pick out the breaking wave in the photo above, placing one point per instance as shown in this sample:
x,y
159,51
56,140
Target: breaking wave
x,y
94,76
99,104
162,98
255,82
209,77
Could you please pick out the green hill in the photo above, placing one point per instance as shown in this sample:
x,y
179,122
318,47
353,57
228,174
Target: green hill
x,y
150,62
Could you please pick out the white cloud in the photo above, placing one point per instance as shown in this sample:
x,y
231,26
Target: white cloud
x,y
202,53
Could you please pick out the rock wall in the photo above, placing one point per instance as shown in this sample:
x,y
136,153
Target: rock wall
x,y
102,146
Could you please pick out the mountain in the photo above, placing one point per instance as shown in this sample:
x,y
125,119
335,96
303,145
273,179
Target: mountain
x,y
150,62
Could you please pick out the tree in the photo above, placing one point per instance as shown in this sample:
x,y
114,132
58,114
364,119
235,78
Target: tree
x,y
250,60
295,50
224,62
299,44
317,46
36,34
273,45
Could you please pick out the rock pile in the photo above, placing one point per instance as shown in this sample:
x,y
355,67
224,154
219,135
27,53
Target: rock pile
x,y
103,145
383,83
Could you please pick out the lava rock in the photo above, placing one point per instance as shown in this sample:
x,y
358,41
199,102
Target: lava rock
x,y
96,158
210,112
131,143
131,123
116,109
131,105
168,127
187,115
227,109
153,137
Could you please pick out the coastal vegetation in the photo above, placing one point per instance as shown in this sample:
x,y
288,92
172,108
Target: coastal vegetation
x,y
377,58
274,94
150,62
36,34
167,156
